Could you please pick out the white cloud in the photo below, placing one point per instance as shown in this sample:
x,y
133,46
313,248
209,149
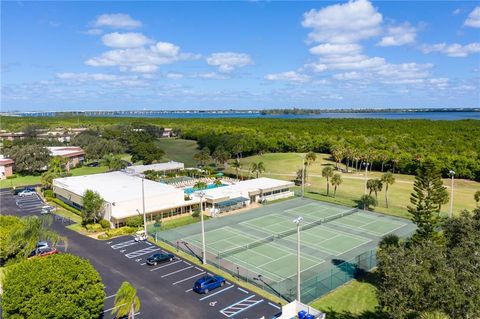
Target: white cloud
x,y
473,19
210,76
399,35
343,23
117,21
228,61
82,77
125,40
453,50
142,59
174,75
406,72
456,11
94,31
328,48
347,76
290,76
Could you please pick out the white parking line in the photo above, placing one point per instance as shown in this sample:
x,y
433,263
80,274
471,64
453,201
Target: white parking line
x,y
143,264
216,293
175,262
240,306
243,290
141,252
273,305
189,290
177,271
110,296
124,244
177,282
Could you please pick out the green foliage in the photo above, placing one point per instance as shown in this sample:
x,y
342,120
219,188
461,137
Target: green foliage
x,y
389,240
374,185
113,162
426,275
29,158
426,199
196,213
327,172
476,196
237,166
367,201
48,193
257,168
126,301
147,152
135,221
203,157
200,185
12,176
59,286
9,225
434,315
115,232
387,179
220,155
96,147
92,206
66,206
94,228
104,223
336,181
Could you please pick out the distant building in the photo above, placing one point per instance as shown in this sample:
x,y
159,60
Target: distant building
x,y
10,136
6,167
74,154
168,132
60,134
167,167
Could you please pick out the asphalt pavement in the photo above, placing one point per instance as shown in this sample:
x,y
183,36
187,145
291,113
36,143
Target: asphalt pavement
x,y
165,290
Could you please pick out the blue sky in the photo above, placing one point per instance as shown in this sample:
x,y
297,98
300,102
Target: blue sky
x,y
242,55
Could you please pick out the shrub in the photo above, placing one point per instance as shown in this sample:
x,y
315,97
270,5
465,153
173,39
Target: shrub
x,y
59,286
12,176
94,228
136,221
48,193
66,206
120,231
104,223
196,213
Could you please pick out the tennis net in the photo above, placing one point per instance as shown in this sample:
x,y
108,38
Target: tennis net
x,y
251,245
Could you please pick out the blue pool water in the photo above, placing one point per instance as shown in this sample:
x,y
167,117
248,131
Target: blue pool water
x,y
209,186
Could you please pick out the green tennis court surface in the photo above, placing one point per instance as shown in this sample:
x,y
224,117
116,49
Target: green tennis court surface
x,y
263,241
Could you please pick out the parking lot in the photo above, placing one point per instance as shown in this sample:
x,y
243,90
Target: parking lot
x,y
231,300
164,290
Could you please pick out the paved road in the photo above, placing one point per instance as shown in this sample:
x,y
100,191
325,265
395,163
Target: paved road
x,y
164,290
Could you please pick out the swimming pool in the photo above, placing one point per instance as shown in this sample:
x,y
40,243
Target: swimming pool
x,y
191,190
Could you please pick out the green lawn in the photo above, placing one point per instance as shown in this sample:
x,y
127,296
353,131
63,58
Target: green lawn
x,y
179,150
355,298
177,222
285,165
32,180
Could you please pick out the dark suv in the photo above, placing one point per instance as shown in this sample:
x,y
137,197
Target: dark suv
x,y
159,258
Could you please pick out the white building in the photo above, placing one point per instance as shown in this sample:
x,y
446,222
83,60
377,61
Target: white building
x,y
167,167
122,194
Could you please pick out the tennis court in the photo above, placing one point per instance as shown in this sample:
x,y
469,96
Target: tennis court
x,y
263,241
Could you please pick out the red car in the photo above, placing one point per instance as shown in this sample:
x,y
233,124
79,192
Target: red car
x,y
42,252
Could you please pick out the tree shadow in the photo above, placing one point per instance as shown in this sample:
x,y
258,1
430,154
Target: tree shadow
x,y
332,314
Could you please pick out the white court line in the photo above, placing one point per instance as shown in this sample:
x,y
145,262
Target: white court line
x,y
177,282
243,290
216,293
166,265
273,305
110,296
177,271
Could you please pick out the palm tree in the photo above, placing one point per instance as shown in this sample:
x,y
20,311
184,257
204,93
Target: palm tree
x,y
310,157
327,172
47,179
388,179
237,166
203,156
217,182
366,201
336,181
35,230
337,154
257,168
374,185
200,185
113,162
477,197
126,301
434,315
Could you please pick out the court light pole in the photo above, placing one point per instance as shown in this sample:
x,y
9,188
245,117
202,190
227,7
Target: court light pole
x,y
450,213
201,194
143,207
297,221
303,175
366,175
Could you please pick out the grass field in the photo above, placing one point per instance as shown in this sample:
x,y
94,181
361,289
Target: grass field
x,y
285,165
356,297
179,150
35,179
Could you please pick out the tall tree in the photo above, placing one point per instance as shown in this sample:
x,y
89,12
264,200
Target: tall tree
x,y
257,168
220,155
147,152
338,154
327,172
387,179
200,185
92,206
310,158
237,165
425,200
126,302
367,201
29,158
375,186
203,157
113,162
336,181
476,196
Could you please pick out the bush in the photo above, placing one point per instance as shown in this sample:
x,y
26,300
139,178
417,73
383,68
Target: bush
x,y
66,206
94,228
12,176
136,221
59,286
126,230
196,213
104,223
48,193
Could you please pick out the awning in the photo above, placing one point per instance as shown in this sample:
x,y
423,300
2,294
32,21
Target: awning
x,y
231,202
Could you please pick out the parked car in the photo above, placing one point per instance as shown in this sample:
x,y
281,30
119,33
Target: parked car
x,y
26,192
159,258
140,236
208,283
42,252
47,210
42,244
16,191
93,164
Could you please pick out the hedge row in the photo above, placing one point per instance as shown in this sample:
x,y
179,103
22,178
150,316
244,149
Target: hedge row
x,y
126,230
66,206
